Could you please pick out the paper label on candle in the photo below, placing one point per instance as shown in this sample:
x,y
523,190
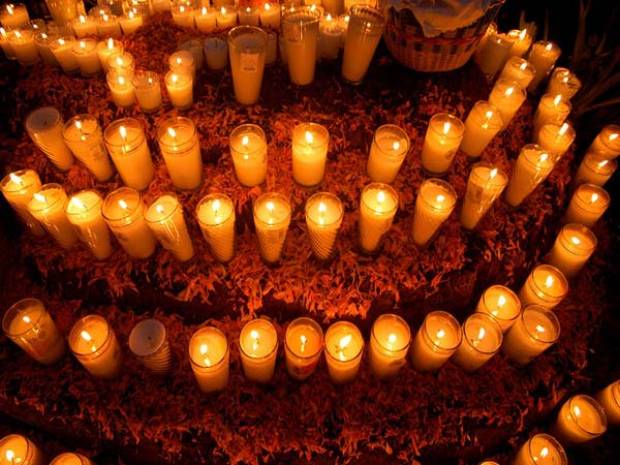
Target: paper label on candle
x,y
249,62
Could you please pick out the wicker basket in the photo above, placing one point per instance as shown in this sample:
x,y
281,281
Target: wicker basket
x,y
450,50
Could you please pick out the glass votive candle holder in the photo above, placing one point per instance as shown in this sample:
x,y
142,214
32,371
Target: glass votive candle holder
x,y
532,167
205,19
85,51
595,169
324,213
300,29
543,56
390,145
148,341
607,142
28,324
390,339
436,341
502,304
272,216
48,207
216,53
179,145
522,41
507,96
84,213
441,142
62,49
209,356
552,109
83,135
194,46
44,41
131,21
303,344
247,47
108,26
434,204
18,188
535,331
71,458
166,220
609,399
216,217
310,143
494,52
183,15
541,449
108,48
519,70
18,449
44,126
563,82
484,186
364,32
580,419
121,89
587,205
248,149
555,138
180,88
482,338
545,286
24,47
123,63
378,206
182,62
147,90
258,345
14,16
573,247
344,347
482,124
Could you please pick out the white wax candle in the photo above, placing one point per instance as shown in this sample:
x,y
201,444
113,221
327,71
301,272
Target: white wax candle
x,y
344,347
378,205
543,56
147,90
17,188
481,126
20,450
48,206
363,34
494,53
507,96
180,89
541,449
500,303
545,286
441,142
84,26
596,169
300,28
556,138
248,149
216,216
85,51
248,16
573,247
437,339
521,42
14,16
303,344
247,47
607,142
535,331
226,18
23,46
7,48
84,213
563,82
433,206
272,216
180,147
258,345
531,168
324,212
390,338
482,338
107,49
209,357
94,344
216,53
123,63
390,145
270,16
609,399
148,341
131,22
519,70
309,146
587,205
165,218
44,42
331,37
108,26
552,109
63,52
182,62
484,186
183,15
83,136
206,19
580,419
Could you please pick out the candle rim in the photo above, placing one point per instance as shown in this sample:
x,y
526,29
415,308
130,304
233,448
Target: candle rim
x,y
380,186
354,330
269,326
573,81
60,459
495,122
97,204
518,62
301,16
551,318
531,153
594,157
187,8
451,320
398,132
175,122
595,406
497,329
394,317
43,119
316,198
557,275
45,37
267,196
583,196
553,442
610,128
239,131
16,310
130,213
148,215
373,18
511,296
128,60
548,100
141,79
210,198
499,180
448,190
584,247
12,437
136,334
133,139
321,141
304,320
545,43
77,328
21,174
50,186
439,119
82,117
202,330
187,59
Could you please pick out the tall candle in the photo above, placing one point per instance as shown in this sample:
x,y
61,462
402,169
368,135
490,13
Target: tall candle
x,y
84,137
441,142
587,205
535,331
123,211
482,338
147,90
507,96
390,338
44,126
14,16
226,18
541,449
182,62
331,37
390,145
247,46
543,56
552,109
48,207
183,15
300,28
24,48
216,53
563,82
165,218
309,146
436,341
545,286
248,149
500,303
258,345
84,213
607,142
556,139
484,186
84,26
17,188
121,89
366,25
324,213
95,346
108,26
205,19
518,70
573,247
482,124
272,216
609,399
44,42
303,344
148,341
180,89
216,216
580,419
344,347
270,16
131,22
107,49
522,42
28,324
210,358
180,147
85,51
433,206
17,449
595,169
531,168
71,458
494,53
126,144
378,205
62,48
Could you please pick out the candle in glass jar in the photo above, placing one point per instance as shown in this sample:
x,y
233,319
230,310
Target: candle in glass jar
x,y
434,205
258,345
14,16
595,169
23,46
535,331
344,346
226,18
123,211
482,124
131,22
210,358
309,146
390,338
180,147
95,346
545,286
587,205
522,42
205,19
563,82
216,217
580,419
507,96
543,56
378,205
441,142
194,46
501,304
518,70
272,216
248,149
573,247
44,126
609,399
85,51
44,42
248,16
494,53
84,213
19,450
331,37
324,212
84,26
437,339
270,16
607,142
62,48
271,54
126,144
482,338
17,188
531,168
552,109
390,145
148,341
165,218
108,26
28,324
247,47
83,136
180,89
216,53
48,207
303,344
541,449
7,48
363,34
300,29
123,63
71,458
182,62
484,186
106,49
147,90
556,139
183,15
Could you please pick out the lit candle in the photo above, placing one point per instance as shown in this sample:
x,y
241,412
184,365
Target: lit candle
x,y
531,168
272,216
123,63
543,56
165,218
437,339
24,48
17,188
441,142
7,48
331,37
573,247
148,341
95,346
216,53
433,206
248,149
19,450
180,147
390,145
194,46
131,22
107,49
563,82
44,42
596,169
126,144
484,186
390,338
324,212
85,51
14,16
84,213
183,15
482,124
500,303
247,46
216,217
226,18
270,16
552,109
494,53
44,126
71,458
248,16
205,19
48,207
210,358
482,338
580,419
84,26
31,327
545,286
309,146
182,62
303,344
541,449
535,331
522,42
507,96
123,211
556,139
99,10
300,28
607,142
62,48
364,32
83,136
344,347
587,205
108,26
609,399
147,90
378,205
258,345
180,89
518,70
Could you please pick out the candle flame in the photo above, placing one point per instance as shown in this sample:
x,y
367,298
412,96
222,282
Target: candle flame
x,y
509,91
594,198
544,156
544,452
245,140
489,114
16,179
481,333
523,66
492,173
119,61
9,454
549,46
522,34
256,339
2,32
613,136
328,17
557,100
549,281
248,9
123,204
381,196
182,9
396,145
179,60
26,319
86,335
105,17
344,342
392,338
131,14
110,43
123,132
174,78
18,34
40,197
304,341
603,163
309,137
575,240
215,205
267,6
82,44
577,411
347,18
160,209
78,203
563,129
501,300
61,41
172,133
446,127
121,80
440,198
540,329
9,9
223,10
441,334
204,348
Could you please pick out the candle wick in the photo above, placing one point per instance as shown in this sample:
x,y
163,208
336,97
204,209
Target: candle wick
x,y
304,341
